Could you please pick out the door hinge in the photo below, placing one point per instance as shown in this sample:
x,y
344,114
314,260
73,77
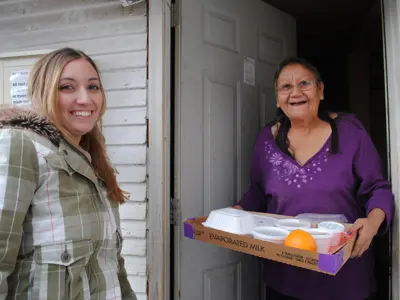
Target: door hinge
x,y
175,212
174,14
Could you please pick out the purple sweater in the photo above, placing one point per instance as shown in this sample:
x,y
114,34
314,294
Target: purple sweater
x,y
350,183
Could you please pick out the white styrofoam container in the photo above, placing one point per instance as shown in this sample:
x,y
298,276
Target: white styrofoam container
x,y
264,220
231,220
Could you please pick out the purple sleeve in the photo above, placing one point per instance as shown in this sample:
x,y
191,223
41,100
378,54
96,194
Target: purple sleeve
x,y
374,189
254,198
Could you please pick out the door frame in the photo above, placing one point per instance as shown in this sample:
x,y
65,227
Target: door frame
x,y
159,93
177,227
391,35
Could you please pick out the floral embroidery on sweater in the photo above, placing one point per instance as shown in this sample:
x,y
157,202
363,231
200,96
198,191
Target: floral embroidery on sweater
x,y
292,173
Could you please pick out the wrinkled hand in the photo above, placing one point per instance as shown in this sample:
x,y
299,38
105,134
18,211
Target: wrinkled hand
x,y
367,228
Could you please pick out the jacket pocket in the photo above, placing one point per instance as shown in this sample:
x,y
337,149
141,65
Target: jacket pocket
x,y
63,182
60,270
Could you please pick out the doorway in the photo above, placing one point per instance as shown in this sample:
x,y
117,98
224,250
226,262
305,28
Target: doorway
x,y
343,41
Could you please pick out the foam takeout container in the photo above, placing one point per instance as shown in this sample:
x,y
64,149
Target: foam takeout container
x,y
231,220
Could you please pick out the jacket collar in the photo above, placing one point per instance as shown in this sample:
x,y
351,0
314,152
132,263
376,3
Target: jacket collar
x,y
18,118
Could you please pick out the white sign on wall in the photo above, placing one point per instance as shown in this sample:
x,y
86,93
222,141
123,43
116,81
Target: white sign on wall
x,y
19,87
249,68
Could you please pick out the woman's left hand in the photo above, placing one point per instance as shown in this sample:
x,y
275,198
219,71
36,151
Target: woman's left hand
x,y
367,229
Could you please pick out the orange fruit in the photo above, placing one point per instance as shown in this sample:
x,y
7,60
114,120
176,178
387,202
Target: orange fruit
x,y
302,240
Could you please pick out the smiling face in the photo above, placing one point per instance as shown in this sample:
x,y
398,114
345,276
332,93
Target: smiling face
x,y
299,93
80,98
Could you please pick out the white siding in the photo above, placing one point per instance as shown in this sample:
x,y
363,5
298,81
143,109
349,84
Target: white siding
x,y
116,38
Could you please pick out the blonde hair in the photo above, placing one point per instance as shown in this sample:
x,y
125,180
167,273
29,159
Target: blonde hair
x,y
43,86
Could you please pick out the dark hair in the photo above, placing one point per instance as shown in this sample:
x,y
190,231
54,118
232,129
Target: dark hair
x,y
281,138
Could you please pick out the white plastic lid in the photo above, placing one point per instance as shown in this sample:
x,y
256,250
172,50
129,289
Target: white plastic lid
x,y
270,233
331,226
292,224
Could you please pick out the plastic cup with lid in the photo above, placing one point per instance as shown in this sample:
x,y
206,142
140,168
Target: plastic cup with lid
x,y
322,237
336,229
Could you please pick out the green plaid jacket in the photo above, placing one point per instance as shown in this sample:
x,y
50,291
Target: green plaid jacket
x,y
60,235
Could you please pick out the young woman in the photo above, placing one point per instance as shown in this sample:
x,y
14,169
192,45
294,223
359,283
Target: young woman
x,y
60,235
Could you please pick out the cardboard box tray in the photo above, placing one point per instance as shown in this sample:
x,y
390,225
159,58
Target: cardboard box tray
x,y
324,263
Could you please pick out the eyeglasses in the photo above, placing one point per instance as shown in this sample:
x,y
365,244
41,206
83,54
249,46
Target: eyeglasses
x,y
304,85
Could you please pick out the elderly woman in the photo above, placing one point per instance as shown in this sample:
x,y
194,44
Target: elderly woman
x,y
59,221
308,161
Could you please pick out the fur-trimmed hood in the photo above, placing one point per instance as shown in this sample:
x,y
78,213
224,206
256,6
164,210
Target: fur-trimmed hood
x,y
19,118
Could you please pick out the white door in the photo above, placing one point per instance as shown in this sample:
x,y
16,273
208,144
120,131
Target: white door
x,y
217,119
